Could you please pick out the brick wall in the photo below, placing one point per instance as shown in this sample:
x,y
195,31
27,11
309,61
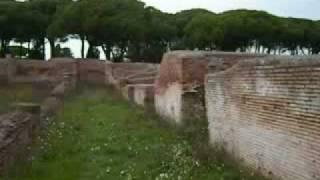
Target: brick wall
x,y
93,71
121,74
28,71
3,70
266,112
179,87
16,130
141,94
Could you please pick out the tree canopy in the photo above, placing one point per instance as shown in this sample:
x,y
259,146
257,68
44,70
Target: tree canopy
x,y
130,29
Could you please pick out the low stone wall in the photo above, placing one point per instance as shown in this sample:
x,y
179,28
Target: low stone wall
x,y
179,87
32,71
18,127
266,113
3,70
93,71
16,133
121,74
141,94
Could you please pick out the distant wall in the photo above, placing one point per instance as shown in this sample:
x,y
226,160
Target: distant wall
x,y
28,71
121,74
55,71
3,70
266,112
93,71
141,94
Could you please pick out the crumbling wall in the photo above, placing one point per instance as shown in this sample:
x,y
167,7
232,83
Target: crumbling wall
x,y
30,71
67,71
266,112
121,74
36,71
16,131
179,87
141,94
3,70
92,71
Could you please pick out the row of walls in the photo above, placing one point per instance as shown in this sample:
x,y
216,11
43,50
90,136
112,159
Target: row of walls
x,y
22,123
262,110
18,127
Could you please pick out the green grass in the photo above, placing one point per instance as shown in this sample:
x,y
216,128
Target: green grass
x,y
14,93
98,135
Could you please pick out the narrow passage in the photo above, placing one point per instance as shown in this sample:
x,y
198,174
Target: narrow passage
x,y
98,135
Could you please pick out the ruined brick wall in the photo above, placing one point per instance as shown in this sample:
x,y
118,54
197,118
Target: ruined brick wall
x,y
179,87
121,74
28,71
3,70
92,71
66,71
16,131
35,71
266,113
141,94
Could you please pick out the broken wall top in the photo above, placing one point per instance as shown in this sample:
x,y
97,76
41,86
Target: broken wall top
x,y
189,68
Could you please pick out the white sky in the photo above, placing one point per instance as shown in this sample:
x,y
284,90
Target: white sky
x,y
292,8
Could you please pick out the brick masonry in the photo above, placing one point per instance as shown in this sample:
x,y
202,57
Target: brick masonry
x,y
265,112
3,71
16,131
179,87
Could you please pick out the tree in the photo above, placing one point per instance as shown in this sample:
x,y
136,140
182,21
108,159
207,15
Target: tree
x,y
159,34
205,32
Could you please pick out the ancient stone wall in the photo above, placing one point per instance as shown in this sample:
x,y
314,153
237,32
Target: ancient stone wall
x,y
93,71
266,113
29,71
16,131
179,87
121,74
3,70
141,94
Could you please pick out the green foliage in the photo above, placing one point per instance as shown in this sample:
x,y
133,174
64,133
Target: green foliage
x,y
129,29
205,31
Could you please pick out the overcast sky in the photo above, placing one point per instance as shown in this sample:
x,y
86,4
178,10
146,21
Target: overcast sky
x,y
293,8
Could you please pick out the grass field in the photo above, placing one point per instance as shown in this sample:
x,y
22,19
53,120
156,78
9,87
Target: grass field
x,y
98,135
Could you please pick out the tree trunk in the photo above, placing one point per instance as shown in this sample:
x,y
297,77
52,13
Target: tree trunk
x,y
107,50
90,51
44,48
1,48
82,46
20,50
28,50
302,50
52,48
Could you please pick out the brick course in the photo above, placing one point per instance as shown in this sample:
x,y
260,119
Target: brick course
x,y
179,85
266,112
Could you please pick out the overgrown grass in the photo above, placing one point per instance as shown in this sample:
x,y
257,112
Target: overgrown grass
x,y
98,135
14,93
